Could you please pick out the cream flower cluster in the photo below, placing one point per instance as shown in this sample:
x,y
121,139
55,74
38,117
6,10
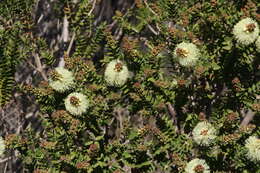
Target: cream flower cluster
x,y
116,73
187,54
61,79
246,31
197,166
204,133
253,148
2,146
76,103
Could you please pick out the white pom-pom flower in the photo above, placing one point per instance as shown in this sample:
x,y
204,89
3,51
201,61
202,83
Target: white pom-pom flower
x,y
257,44
253,148
2,146
204,133
116,73
197,166
187,54
76,103
61,79
246,31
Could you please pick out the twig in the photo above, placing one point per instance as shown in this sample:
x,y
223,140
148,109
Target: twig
x,y
151,29
93,7
119,34
6,165
71,43
65,29
65,38
39,66
119,113
248,117
4,160
145,1
173,114
171,111
40,18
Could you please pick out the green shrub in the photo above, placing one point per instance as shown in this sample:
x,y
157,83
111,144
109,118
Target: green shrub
x,y
180,64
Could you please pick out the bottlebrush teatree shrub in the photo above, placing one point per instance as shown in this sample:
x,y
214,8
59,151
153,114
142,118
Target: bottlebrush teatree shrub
x,y
185,66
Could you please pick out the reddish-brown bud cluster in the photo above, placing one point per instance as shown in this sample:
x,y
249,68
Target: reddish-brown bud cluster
x,y
157,49
200,70
195,8
256,107
93,150
149,72
128,44
143,112
114,96
47,144
99,99
176,33
177,161
139,3
118,13
80,75
160,106
82,165
60,115
236,84
40,171
214,3
74,126
181,82
11,139
156,8
250,7
93,87
248,128
185,19
231,137
55,75
142,148
231,117
135,97
65,158
93,147
149,130
137,85
202,116
161,84
236,80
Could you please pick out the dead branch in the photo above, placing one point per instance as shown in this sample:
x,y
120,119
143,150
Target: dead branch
x,y
248,116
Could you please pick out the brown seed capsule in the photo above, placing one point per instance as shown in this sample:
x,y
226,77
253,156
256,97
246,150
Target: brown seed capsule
x,y
118,67
74,101
199,169
250,27
204,132
181,53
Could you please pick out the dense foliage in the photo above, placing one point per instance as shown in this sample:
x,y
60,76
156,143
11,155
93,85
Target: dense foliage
x,y
176,86
15,21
